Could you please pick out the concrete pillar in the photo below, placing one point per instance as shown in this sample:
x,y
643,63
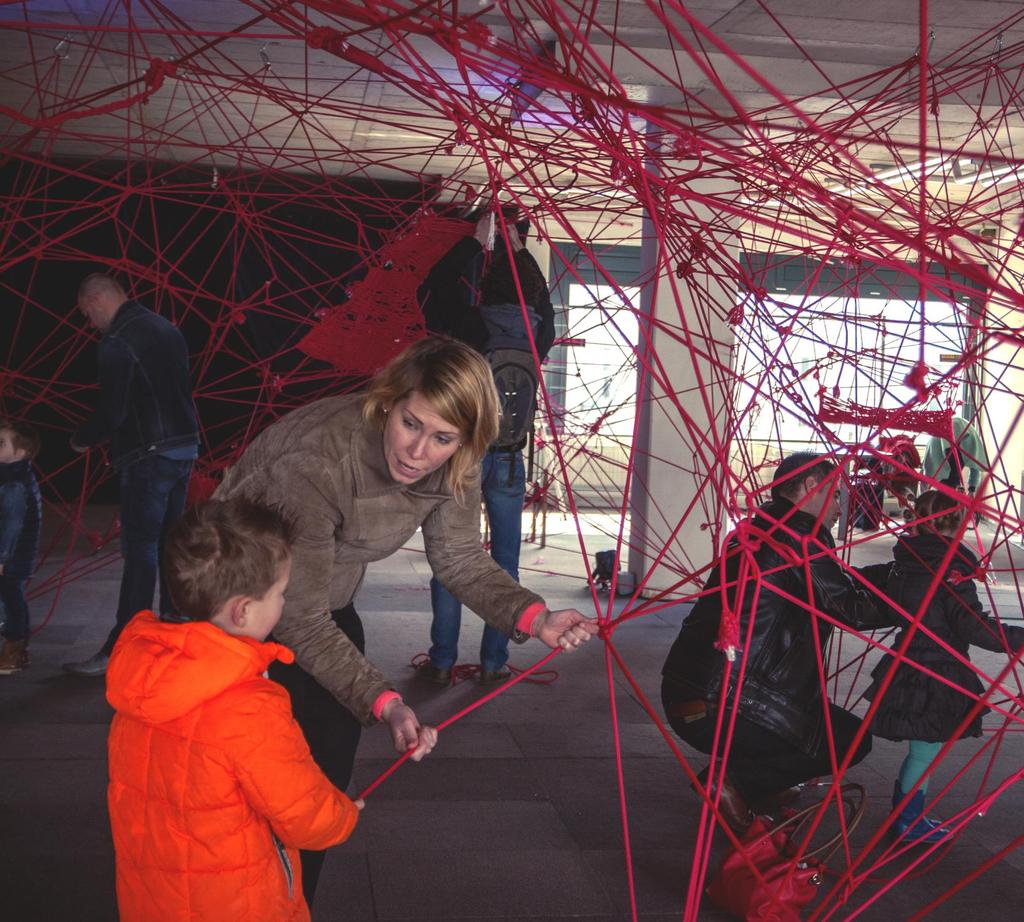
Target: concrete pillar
x,y
680,456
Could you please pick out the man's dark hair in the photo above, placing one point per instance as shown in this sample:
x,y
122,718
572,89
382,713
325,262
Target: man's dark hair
x,y
794,468
224,548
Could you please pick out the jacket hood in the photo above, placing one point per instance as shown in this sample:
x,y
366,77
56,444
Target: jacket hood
x,y
161,671
925,553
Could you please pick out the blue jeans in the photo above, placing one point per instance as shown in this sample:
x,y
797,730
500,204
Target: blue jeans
x,y
503,484
153,494
12,596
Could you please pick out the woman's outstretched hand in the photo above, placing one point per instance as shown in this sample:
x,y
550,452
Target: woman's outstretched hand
x,y
566,628
406,731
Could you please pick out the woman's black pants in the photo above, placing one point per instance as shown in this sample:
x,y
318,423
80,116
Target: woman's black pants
x,y
331,730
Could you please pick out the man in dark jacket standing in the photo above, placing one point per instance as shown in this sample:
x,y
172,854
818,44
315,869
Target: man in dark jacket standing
x,y
460,292
780,579
145,409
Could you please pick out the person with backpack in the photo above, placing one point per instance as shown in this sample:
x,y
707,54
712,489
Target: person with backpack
x,y
490,317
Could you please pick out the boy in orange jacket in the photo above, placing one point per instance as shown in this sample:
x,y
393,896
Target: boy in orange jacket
x,y
212,786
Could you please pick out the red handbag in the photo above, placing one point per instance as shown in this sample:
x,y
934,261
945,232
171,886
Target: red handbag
x,y
790,881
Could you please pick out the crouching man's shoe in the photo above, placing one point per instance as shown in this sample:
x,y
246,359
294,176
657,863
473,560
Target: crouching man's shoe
x,y
731,805
769,802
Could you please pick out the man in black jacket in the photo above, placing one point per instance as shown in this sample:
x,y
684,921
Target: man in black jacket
x,y
145,409
457,292
780,573
451,292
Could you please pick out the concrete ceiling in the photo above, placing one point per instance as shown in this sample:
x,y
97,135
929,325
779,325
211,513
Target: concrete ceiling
x,y
776,93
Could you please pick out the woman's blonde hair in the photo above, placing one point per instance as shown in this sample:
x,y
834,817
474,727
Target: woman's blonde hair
x,y
938,512
458,384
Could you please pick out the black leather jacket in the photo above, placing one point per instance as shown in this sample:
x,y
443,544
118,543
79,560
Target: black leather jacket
x,y
781,688
145,404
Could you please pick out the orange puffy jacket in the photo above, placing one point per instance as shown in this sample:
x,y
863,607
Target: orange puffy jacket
x,y
212,786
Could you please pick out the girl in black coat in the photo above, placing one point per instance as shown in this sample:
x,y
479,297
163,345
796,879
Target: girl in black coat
x,y
917,707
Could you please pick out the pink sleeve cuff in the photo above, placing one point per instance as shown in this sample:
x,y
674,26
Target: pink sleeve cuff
x,y
382,699
527,618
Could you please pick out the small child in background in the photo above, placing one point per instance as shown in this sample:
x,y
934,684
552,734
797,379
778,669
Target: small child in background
x,y
212,786
20,518
917,707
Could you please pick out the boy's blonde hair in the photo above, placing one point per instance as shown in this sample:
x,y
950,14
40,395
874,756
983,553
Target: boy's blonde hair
x,y
938,512
23,436
224,548
457,382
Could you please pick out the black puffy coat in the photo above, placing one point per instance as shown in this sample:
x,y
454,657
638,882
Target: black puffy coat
x,y
915,705
781,689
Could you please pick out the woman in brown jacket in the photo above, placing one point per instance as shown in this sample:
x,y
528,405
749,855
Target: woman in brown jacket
x,y
359,474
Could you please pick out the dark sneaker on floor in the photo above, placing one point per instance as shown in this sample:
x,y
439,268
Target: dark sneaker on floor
x,y
93,666
494,677
435,674
13,656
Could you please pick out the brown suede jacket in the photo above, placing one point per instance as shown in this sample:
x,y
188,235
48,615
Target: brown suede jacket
x,y
326,469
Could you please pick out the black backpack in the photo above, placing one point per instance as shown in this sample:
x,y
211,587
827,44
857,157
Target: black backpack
x,y
515,375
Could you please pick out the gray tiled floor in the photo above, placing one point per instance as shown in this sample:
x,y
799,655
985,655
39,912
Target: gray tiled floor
x,y
515,816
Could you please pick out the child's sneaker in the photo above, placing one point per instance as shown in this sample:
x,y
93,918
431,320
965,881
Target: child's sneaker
x,y
13,656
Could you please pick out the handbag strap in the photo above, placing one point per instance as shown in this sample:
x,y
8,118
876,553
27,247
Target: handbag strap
x,y
824,852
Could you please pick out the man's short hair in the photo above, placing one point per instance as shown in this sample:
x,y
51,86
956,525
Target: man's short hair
x,y
99,283
794,468
225,548
23,436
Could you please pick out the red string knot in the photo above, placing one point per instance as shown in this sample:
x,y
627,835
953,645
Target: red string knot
x,y
158,71
748,537
958,576
582,109
917,378
328,39
686,146
728,634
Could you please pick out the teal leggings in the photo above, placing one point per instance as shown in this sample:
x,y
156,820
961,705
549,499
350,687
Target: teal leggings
x,y
919,756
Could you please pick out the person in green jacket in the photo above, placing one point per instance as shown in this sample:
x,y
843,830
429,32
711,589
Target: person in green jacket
x,y
946,463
